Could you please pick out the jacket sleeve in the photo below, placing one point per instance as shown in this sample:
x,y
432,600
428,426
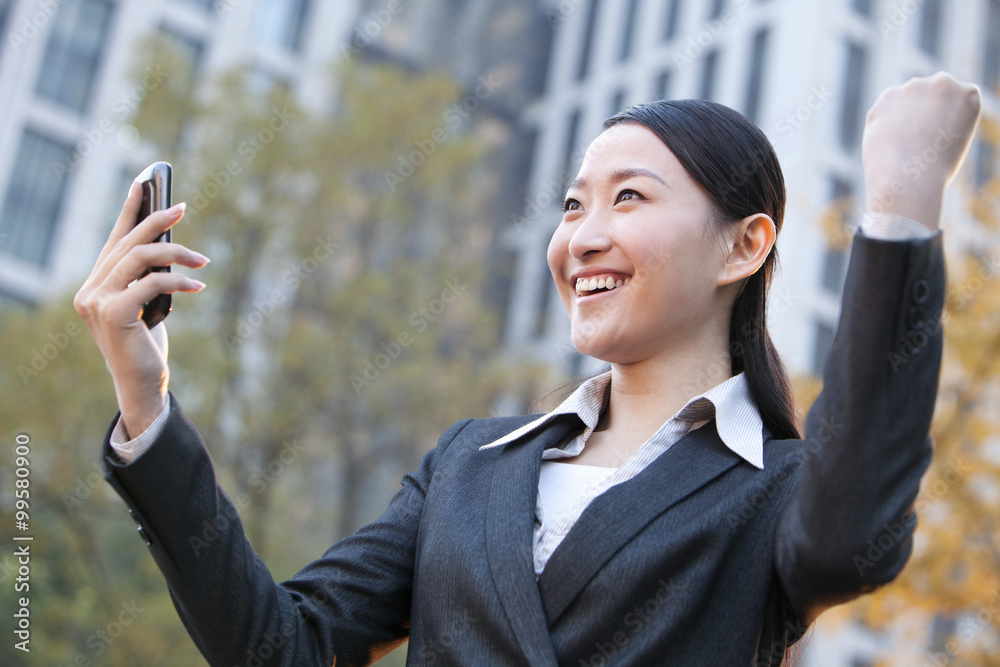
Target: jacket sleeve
x,y
349,607
849,528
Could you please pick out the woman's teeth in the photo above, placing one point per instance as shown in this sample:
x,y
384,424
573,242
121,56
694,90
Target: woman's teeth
x,y
591,284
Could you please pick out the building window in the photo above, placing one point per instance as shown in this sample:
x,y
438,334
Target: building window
x,y
280,22
73,54
189,50
588,39
204,4
837,237
711,64
991,58
822,346
985,168
852,109
756,79
618,101
626,51
930,30
662,86
673,20
34,196
4,15
863,7
544,299
569,148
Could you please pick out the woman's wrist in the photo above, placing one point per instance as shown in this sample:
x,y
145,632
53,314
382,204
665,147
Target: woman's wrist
x,y
910,202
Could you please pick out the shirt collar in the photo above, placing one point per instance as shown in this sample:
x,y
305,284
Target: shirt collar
x,y
736,416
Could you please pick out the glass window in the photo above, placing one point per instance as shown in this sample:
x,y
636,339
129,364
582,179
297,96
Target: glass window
x,y
930,27
991,57
204,4
73,54
629,34
711,64
4,13
280,22
544,299
189,50
588,40
34,196
823,344
618,101
662,91
852,109
835,256
985,168
673,20
863,7
572,137
755,81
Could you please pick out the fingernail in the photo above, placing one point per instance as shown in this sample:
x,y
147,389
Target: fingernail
x,y
177,209
201,258
198,285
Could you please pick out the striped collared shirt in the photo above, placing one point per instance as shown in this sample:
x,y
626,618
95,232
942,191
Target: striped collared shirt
x,y
737,420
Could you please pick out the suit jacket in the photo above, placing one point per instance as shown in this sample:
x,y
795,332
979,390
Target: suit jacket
x,y
701,559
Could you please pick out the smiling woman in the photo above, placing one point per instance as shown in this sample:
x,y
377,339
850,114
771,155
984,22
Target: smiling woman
x,y
713,228
648,519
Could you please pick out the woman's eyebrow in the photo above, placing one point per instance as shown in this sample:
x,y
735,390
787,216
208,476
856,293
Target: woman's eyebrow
x,y
617,176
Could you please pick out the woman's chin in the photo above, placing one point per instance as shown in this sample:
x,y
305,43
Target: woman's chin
x,y
600,349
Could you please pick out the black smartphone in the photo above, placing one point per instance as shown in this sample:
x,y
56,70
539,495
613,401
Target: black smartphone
x,y
155,180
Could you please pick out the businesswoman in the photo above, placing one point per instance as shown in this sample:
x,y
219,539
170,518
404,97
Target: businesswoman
x,y
668,512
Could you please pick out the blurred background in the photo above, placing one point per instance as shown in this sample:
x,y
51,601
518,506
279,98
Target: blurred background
x,y
376,182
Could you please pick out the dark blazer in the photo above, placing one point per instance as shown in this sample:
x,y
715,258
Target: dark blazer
x,y
701,559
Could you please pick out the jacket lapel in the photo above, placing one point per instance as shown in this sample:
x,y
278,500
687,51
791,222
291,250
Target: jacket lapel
x,y
624,510
510,519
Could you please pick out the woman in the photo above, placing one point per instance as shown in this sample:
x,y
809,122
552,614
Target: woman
x,y
660,515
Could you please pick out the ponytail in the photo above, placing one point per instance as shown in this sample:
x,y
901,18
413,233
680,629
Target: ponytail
x,y
736,165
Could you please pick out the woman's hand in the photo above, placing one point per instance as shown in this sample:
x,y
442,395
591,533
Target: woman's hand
x,y
111,307
915,138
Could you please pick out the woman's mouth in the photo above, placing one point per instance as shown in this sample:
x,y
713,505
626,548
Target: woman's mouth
x,y
591,285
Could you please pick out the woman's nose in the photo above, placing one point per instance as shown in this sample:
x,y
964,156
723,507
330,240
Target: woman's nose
x,y
591,236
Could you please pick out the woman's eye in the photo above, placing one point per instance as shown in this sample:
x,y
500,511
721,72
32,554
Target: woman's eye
x,y
627,195
571,205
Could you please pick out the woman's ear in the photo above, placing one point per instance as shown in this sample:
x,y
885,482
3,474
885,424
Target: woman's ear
x,y
750,241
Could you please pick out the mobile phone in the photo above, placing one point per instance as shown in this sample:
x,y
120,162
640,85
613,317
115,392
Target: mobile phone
x,y
155,181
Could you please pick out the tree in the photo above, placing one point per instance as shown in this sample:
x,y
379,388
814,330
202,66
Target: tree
x,y
343,329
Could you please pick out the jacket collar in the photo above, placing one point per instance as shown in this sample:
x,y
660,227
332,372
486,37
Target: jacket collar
x,y
624,510
737,419
533,605
509,522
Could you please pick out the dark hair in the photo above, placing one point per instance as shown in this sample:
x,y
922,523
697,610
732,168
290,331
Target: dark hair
x,y
736,165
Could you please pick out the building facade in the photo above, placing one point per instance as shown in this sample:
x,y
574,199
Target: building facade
x,y
67,148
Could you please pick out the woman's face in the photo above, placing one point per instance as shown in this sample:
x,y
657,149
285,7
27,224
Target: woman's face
x,y
637,259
